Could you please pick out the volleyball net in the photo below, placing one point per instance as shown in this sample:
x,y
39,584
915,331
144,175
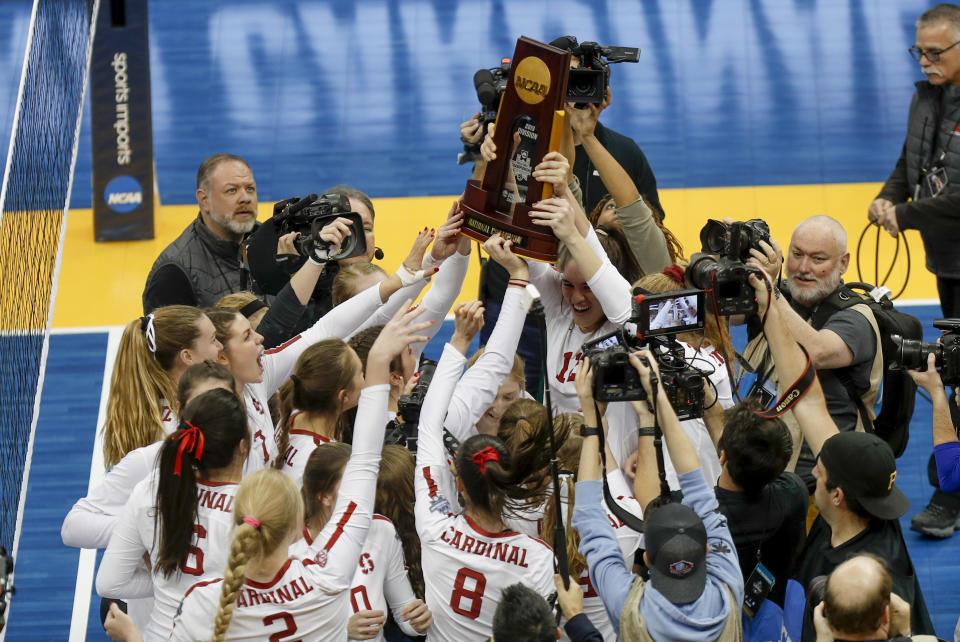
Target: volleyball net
x,y
34,196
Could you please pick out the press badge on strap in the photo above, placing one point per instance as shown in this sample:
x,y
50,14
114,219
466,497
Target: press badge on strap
x,y
756,589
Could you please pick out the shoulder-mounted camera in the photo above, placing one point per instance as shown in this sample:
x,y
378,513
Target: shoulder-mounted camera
x,y
307,217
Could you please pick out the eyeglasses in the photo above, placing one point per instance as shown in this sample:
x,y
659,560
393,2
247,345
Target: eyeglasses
x,y
933,55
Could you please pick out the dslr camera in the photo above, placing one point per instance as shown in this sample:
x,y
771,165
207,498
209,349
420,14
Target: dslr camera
x,y
490,85
653,324
720,267
589,81
912,354
307,217
404,430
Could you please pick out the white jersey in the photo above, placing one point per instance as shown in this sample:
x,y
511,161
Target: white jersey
x,y
120,576
300,445
465,567
380,579
319,603
92,519
279,362
294,605
564,339
629,540
478,387
169,420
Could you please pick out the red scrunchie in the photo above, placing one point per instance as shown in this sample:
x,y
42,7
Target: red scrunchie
x,y
481,457
675,272
191,440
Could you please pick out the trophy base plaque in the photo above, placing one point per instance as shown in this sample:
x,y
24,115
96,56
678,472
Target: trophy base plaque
x,y
480,225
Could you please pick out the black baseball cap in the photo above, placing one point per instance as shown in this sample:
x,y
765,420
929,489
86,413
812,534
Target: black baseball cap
x,y
864,467
676,543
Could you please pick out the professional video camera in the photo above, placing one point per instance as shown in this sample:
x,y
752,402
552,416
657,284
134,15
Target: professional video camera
x,y
912,354
307,217
726,275
654,322
589,81
490,85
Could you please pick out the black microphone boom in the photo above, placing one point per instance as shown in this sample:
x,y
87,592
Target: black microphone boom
x,y
378,254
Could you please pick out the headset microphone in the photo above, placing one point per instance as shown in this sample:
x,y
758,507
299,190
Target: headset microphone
x,y
378,254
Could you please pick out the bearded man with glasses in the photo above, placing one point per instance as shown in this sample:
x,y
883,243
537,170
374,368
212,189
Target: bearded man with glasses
x,y
923,193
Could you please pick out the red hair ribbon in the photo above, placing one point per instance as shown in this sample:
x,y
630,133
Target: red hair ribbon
x,y
675,272
253,521
191,440
481,457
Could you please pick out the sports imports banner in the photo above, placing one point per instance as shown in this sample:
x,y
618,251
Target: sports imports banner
x,y
123,174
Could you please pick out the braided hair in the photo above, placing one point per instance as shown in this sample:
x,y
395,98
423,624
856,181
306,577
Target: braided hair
x,y
267,510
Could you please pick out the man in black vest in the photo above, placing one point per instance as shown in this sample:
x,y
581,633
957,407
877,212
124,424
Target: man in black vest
x,y
923,193
203,264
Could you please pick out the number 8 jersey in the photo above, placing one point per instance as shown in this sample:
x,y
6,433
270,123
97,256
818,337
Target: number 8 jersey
x,y
465,568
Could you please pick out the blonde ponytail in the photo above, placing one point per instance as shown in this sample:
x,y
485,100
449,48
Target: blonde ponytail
x,y
267,508
141,379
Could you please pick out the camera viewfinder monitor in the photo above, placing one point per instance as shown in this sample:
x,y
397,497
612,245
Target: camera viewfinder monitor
x,y
670,312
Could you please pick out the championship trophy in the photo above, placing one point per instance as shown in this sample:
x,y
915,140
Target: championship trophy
x,y
529,124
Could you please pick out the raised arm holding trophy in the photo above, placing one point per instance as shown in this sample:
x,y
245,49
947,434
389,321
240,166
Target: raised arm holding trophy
x,y
529,124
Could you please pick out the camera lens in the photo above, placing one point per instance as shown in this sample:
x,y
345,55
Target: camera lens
x,y
701,270
714,237
912,353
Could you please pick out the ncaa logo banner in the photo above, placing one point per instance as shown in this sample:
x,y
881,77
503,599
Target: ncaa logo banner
x,y
122,130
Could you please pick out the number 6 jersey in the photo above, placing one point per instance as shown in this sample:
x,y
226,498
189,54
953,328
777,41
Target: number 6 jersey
x,y
465,568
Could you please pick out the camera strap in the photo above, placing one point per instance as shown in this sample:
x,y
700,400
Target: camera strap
x,y
625,516
559,533
795,392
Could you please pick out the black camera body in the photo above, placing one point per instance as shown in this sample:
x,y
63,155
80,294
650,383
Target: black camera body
x,y
308,216
912,354
490,85
734,240
727,278
588,82
614,379
720,267
405,428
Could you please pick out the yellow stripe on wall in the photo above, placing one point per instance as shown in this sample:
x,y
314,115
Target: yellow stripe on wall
x,y
102,283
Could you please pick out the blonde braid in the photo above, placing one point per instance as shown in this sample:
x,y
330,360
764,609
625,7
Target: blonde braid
x,y
246,543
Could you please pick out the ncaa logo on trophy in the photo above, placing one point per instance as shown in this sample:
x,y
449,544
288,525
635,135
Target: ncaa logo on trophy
x,y
530,125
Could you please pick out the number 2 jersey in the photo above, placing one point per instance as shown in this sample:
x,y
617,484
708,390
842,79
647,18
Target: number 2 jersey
x,y
380,579
308,598
465,568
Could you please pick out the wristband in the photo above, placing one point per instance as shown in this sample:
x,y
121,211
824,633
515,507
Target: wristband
x,y
589,431
315,261
646,431
430,262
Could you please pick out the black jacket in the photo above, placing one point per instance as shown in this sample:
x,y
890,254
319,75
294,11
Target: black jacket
x,y
933,129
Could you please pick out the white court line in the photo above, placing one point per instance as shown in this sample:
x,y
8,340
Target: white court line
x,y
88,556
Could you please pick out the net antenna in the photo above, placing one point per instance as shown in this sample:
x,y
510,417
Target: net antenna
x,y
34,197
